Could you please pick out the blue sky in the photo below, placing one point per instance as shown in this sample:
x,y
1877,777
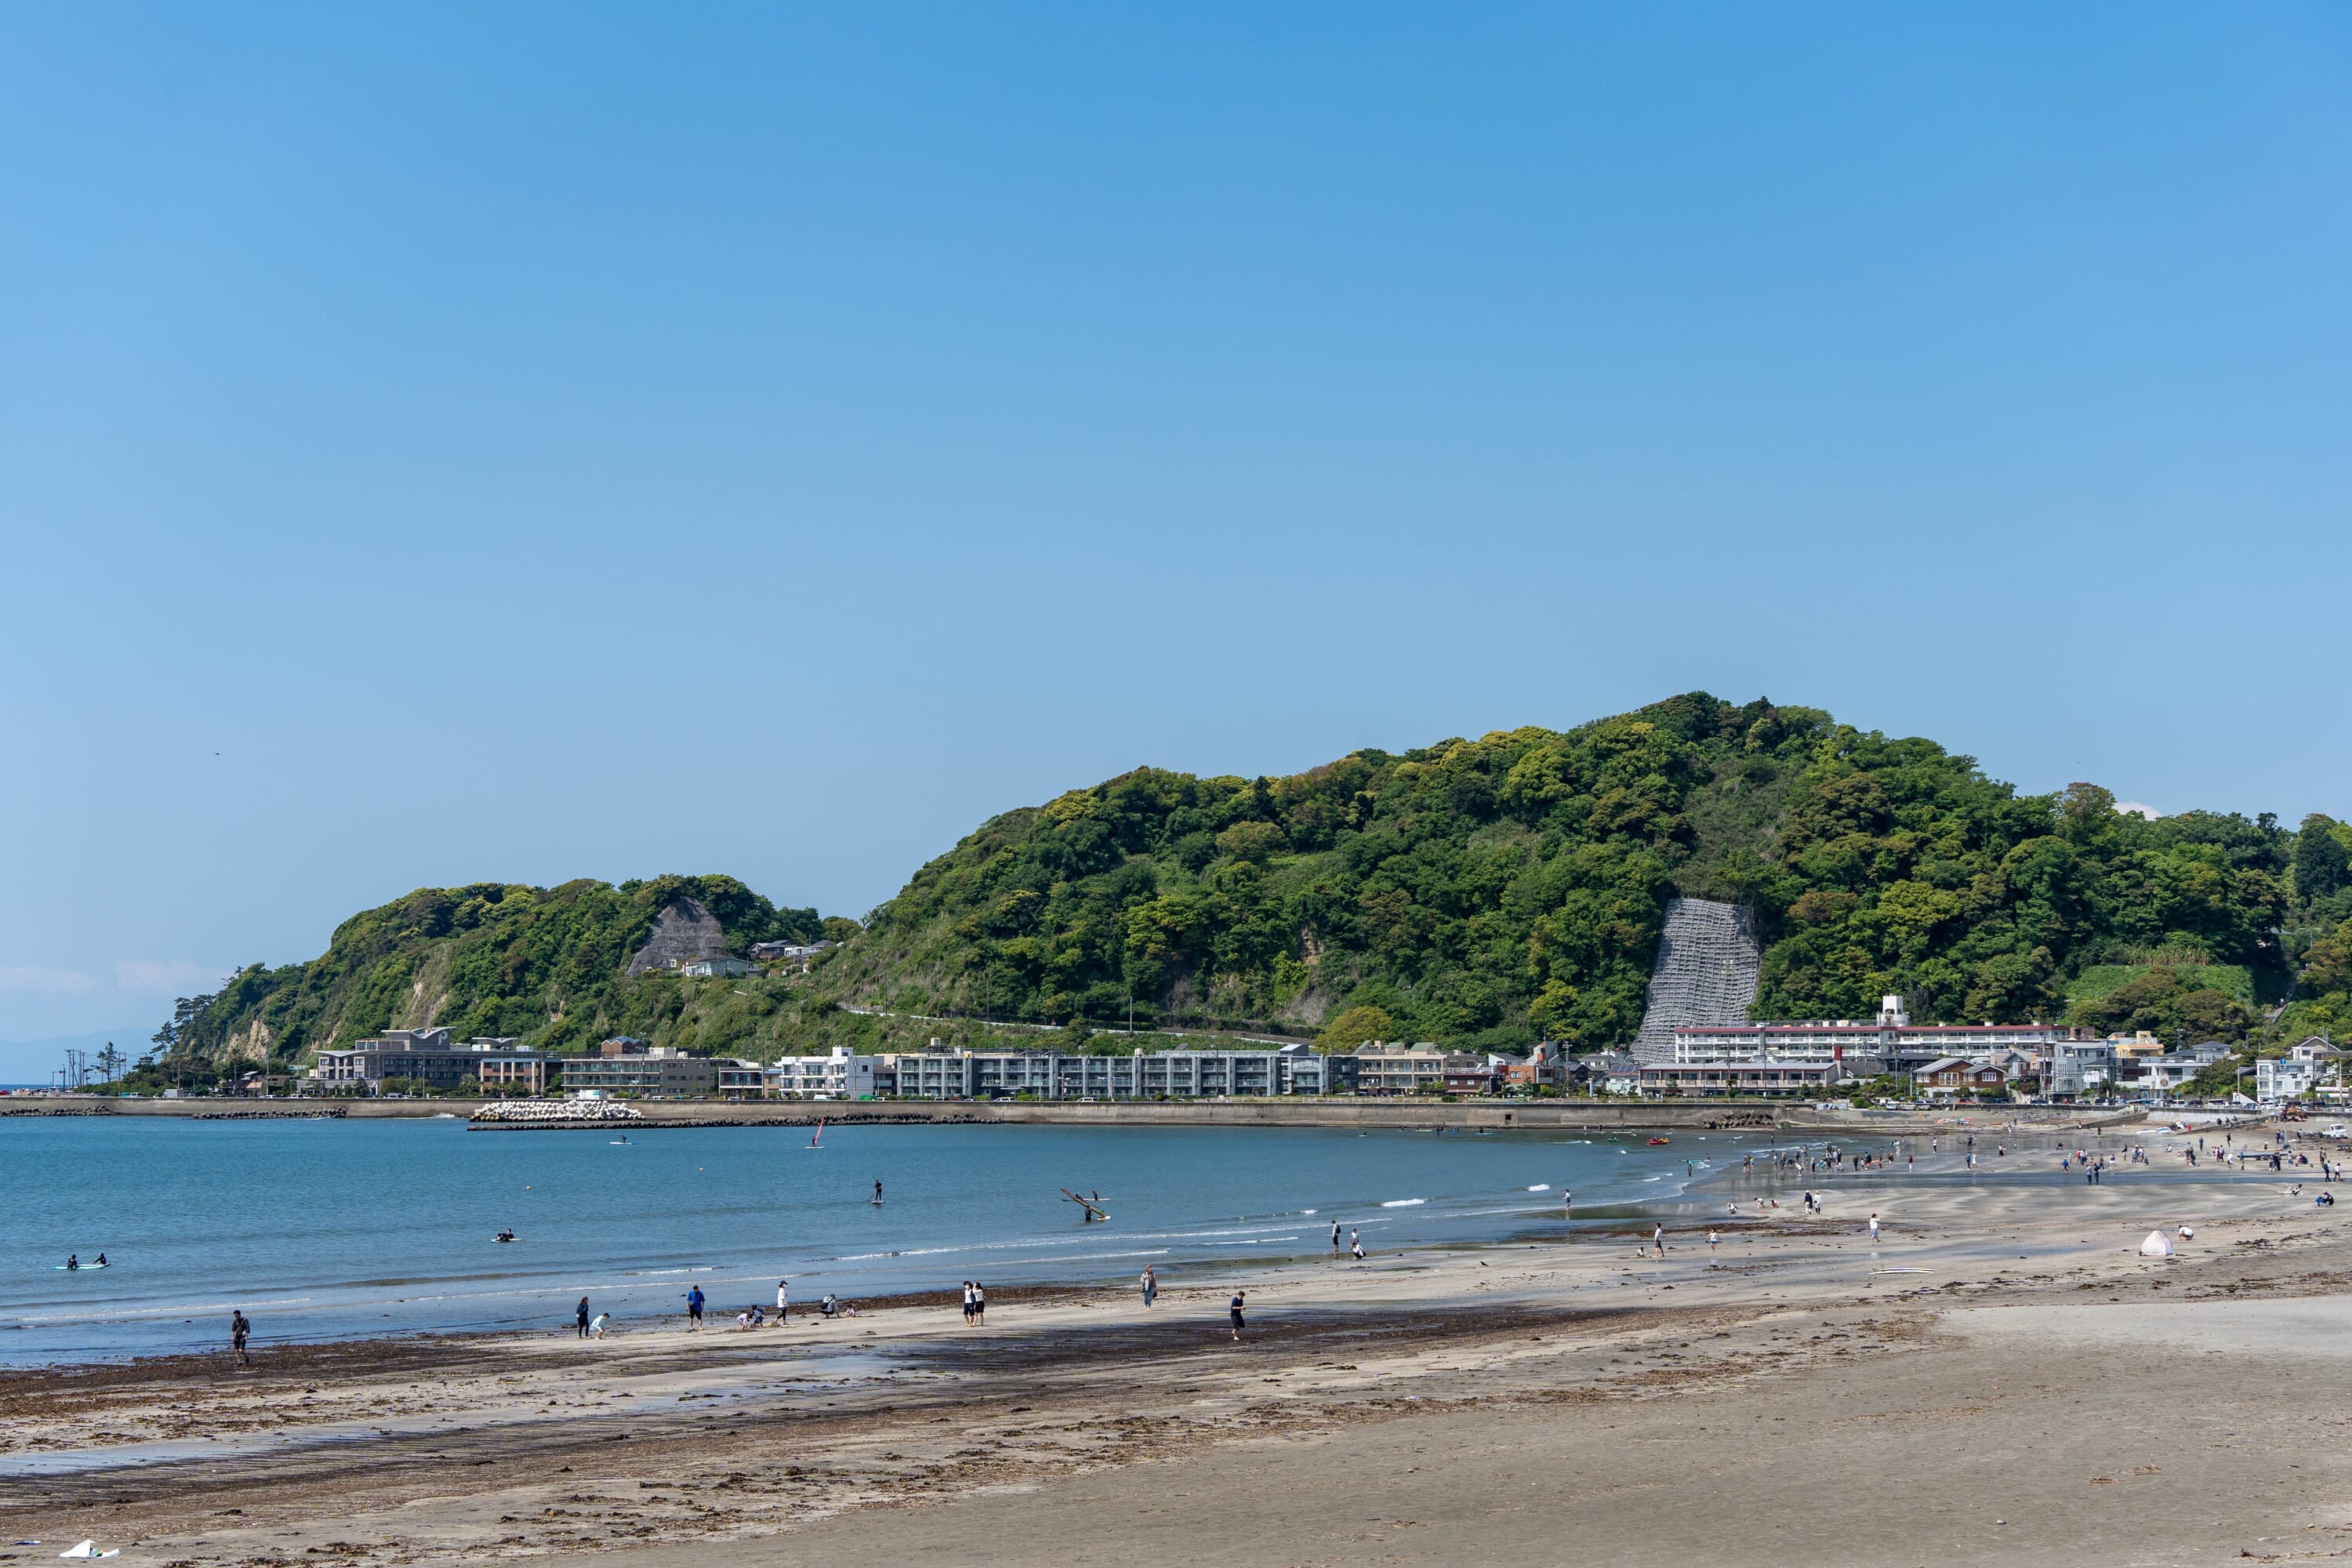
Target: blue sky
x,y
440,443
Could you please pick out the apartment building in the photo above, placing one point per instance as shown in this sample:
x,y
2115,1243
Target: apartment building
x,y
430,1058
1386,1067
630,1067
840,1074
1131,1074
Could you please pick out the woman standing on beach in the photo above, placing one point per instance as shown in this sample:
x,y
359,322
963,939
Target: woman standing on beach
x,y
978,1304
967,1303
783,1300
1151,1283
579,1316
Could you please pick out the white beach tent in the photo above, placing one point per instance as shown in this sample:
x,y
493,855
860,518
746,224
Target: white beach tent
x,y
2158,1245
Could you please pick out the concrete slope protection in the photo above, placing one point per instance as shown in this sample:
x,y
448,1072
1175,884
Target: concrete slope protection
x,y
1706,972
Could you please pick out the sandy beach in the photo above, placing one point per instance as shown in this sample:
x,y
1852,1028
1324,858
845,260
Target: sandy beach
x,y
2001,1378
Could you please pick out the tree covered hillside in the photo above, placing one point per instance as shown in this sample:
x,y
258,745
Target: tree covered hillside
x,y
1486,892
547,964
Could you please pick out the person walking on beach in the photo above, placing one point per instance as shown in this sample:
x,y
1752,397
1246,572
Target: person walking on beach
x,y
978,1304
579,1316
783,1300
1151,1283
1234,1309
1567,1204
1710,1243
1658,1239
239,1332
694,1306
1874,1230
967,1303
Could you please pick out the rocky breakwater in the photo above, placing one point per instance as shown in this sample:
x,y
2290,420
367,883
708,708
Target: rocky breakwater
x,y
554,1114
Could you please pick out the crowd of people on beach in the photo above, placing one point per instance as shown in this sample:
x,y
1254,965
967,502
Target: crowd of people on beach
x,y
2279,1155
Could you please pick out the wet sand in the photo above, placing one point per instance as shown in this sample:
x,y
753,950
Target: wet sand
x,y
2001,1379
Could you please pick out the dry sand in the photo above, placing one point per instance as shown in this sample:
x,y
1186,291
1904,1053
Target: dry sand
x,y
2037,1392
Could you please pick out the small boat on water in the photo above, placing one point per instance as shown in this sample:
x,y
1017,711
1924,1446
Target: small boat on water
x,y
1655,1141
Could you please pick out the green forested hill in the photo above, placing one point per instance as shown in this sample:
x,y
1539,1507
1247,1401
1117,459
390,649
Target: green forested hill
x,y
1481,892
1489,891
547,964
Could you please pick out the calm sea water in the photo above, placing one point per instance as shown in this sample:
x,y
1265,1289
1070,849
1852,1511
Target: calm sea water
x,y
325,1229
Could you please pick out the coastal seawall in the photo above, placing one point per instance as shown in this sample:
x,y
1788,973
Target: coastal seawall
x,y
1563,1115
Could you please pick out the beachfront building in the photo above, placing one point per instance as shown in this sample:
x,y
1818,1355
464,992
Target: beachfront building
x,y
1862,1049
623,1066
1128,1075
735,1078
1606,1072
2288,1077
1684,1080
2081,1067
1385,1068
840,1074
1957,1075
1545,1068
430,1058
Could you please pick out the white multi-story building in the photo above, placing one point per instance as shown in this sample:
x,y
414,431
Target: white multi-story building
x,y
1891,1043
840,1074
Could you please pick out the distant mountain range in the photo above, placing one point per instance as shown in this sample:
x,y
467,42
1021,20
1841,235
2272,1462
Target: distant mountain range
x,y
1484,893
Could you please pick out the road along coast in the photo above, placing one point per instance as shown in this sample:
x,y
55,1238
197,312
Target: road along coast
x,y
2001,1378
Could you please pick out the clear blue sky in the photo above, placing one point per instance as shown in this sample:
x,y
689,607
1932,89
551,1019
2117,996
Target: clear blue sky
x,y
453,443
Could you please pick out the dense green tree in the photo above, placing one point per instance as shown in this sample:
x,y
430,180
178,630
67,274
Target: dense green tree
x,y
1355,1027
2320,859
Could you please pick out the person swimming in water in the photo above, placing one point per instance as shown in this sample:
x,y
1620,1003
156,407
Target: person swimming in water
x,y
73,1260
505,1235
